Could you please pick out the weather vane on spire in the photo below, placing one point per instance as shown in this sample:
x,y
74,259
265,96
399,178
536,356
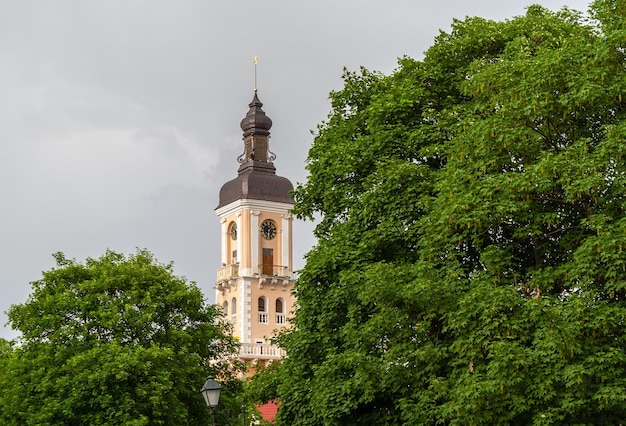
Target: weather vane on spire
x,y
256,61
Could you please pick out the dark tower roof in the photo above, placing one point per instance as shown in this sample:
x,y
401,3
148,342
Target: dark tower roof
x,y
257,179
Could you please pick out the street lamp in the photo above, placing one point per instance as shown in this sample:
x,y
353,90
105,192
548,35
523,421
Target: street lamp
x,y
211,392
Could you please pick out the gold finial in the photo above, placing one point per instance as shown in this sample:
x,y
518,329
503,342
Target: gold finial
x,y
256,61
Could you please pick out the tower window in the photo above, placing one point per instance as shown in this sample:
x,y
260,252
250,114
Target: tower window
x,y
262,304
232,230
280,313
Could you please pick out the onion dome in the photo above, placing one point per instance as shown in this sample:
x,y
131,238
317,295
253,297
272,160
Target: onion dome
x,y
255,121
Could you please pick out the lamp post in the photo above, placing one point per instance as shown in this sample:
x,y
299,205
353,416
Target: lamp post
x,y
211,392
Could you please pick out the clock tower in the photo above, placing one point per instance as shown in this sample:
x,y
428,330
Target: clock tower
x,y
254,284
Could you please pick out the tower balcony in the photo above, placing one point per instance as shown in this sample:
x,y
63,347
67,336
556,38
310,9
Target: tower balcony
x,y
268,270
274,275
227,272
260,351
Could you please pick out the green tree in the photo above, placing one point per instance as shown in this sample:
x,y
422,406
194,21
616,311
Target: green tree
x,y
470,265
6,349
118,340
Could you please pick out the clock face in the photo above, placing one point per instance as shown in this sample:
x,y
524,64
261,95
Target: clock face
x,y
268,229
233,231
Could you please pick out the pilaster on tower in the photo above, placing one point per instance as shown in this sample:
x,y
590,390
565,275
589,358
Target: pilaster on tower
x,y
254,284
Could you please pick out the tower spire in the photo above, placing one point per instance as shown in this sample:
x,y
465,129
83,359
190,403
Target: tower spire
x,y
256,61
256,132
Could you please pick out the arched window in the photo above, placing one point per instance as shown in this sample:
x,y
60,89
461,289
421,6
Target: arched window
x,y
225,307
233,310
262,310
280,311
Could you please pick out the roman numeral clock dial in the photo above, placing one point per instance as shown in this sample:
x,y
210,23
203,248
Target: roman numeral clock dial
x,y
268,229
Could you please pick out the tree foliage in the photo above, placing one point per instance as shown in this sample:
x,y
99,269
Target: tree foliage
x,y
118,340
471,263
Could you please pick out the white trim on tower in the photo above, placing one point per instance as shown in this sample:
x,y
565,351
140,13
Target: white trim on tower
x,y
286,226
254,242
266,206
239,239
247,313
224,240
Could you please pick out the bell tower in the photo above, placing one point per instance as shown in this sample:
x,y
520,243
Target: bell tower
x,y
254,284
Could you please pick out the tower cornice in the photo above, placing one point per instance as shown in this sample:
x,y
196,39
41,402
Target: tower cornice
x,y
255,205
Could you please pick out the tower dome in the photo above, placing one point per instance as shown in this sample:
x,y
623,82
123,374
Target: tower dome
x,y
256,179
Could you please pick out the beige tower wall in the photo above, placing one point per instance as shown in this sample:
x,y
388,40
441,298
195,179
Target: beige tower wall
x,y
248,277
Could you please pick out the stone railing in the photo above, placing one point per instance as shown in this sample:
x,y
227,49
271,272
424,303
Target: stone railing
x,y
227,272
274,270
260,351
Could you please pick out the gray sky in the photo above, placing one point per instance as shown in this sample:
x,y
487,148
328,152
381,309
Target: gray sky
x,y
119,120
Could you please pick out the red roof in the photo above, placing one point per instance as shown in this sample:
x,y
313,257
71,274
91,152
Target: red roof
x,y
268,411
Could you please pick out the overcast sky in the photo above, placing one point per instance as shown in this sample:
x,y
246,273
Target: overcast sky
x,y
119,120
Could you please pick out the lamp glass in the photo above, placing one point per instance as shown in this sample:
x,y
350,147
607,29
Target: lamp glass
x,y
211,392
